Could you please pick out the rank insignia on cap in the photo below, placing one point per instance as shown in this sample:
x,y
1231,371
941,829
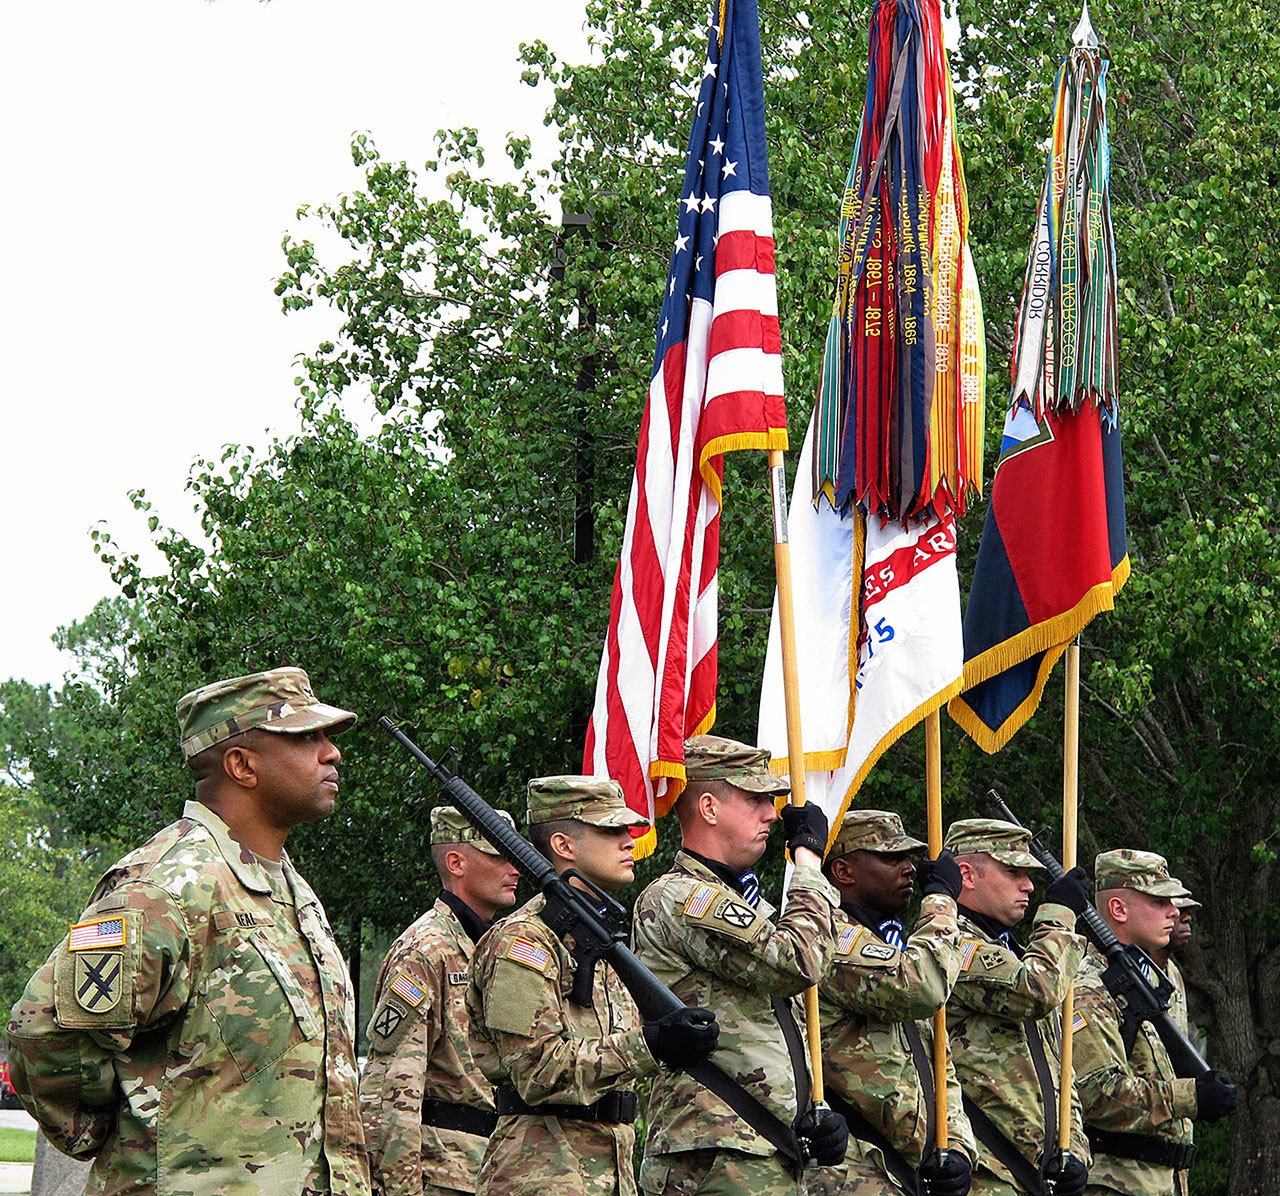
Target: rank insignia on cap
x,y
848,936
97,934
97,980
737,915
1078,1021
529,954
700,901
968,948
388,1019
407,991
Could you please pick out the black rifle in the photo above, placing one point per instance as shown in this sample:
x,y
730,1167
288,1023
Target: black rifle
x,y
597,925
1140,1000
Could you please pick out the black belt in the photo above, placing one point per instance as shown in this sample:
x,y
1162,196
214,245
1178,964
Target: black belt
x,y
615,1108
449,1115
1178,1155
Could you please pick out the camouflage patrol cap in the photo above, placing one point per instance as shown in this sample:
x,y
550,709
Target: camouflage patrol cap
x,y
450,825
277,700
597,801
1143,871
1003,841
714,758
1188,902
873,830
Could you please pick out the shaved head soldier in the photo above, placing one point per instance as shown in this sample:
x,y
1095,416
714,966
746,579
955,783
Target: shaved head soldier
x,y
428,1110
200,1000
1001,1016
706,931
1137,1110
564,1064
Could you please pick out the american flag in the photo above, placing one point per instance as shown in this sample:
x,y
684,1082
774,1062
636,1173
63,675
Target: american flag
x,y
105,932
529,954
716,386
404,987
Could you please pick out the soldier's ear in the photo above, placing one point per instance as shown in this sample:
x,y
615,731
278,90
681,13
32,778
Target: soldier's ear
x,y
237,764
708,807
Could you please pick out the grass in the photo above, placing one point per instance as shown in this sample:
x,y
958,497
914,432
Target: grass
x,y
17,1146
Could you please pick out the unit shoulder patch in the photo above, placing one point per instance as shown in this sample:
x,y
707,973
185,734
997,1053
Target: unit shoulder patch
x,y
390,1017
881,951
98,980
992,958
736,914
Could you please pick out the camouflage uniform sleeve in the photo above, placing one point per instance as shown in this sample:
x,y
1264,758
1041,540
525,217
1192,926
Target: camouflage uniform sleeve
x,y
910,987
84,1007
1111,1096
740,945
994,980
519,991
402,1038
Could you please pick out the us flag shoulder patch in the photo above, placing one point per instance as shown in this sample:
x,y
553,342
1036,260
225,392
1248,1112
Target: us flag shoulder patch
x,y
700,901
848,937
968,949
96,934
408,991
529,954
1078,1021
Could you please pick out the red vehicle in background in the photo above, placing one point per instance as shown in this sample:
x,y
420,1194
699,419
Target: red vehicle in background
x,y
8,1098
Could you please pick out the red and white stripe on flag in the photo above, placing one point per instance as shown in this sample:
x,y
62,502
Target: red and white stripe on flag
x,y
878,640
717,391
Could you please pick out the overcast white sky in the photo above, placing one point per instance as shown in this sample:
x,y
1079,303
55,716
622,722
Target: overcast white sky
x,y
156,153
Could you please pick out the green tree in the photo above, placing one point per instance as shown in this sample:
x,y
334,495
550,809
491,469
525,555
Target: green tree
x,y
45,878
430,568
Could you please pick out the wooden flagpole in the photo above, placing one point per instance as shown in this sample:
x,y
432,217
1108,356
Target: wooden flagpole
x,y
795,742
1070,806
933,816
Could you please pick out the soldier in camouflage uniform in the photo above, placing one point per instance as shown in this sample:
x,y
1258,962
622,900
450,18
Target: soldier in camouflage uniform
x,y
428,1111
1002,1018
704,931
192,1034
563,1071
877,1052
1137,1111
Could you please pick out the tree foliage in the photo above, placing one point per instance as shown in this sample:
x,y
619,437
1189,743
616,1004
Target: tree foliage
x,y
430,568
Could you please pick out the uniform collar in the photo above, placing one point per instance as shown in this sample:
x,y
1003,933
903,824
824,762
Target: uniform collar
x,y
721,872
472,923
868,917
241,860
993,928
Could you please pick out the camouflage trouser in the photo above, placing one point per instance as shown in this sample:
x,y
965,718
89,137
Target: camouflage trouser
x,y
717,1173
855,1177
986,1184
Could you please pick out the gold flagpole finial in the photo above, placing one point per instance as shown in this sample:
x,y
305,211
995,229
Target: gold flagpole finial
x,y
724,5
